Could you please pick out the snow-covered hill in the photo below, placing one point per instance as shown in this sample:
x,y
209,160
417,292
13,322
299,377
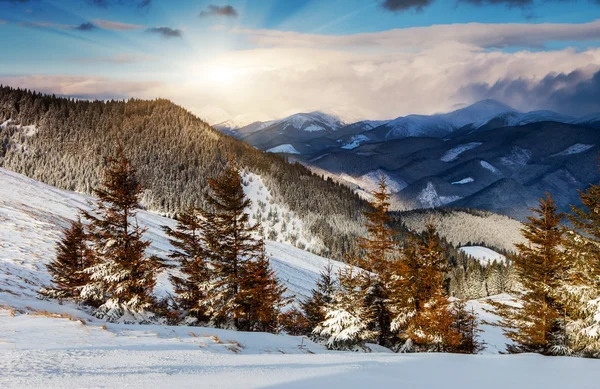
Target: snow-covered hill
x,y
33,214
47,345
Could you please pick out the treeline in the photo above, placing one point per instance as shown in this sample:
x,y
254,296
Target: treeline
x,y
224,278
174,152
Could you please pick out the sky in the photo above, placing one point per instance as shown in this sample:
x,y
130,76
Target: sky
x,y
250,60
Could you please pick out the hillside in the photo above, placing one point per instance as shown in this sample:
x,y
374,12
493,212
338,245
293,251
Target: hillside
x,y
44,344
62,142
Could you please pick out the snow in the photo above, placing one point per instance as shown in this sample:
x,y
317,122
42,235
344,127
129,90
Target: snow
x,y
452,154
285,148
278,222
47,345
314,128
429,198
417,125
483,254
310,122
355,141
575,149
517,158
515,118
489,166
370,181
480,111
41,352
463,181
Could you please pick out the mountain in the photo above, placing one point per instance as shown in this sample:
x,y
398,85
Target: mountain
x,y
297,130
505,170
62,142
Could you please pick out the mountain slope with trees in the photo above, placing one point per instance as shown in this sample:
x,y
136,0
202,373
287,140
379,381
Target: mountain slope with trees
x,y
63,142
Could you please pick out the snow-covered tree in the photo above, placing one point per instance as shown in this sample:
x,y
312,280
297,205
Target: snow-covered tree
x,y
67,270
344,327
188,250
123,276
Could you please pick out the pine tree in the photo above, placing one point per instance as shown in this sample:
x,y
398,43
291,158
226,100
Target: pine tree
x,y
344,327
466,324
421,307
232,244
579,293
534,325
123,278
261,296
379,249
321,296
67,270
189,251
378,246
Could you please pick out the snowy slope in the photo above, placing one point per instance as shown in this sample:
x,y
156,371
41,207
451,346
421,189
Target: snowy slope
x,y
40,352
32,215
483,254
286,148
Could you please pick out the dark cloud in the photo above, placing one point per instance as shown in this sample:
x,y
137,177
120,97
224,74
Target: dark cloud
x,y
109,3
85,27
166,32
509,3
215,10
403,5
568,93
419,5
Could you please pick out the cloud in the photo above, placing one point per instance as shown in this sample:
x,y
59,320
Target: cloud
x,y
215,10
109,3
403,5
419,5
118,59
117,26
166,32
474,34
85,87
575,93
3,21
47,25
88,26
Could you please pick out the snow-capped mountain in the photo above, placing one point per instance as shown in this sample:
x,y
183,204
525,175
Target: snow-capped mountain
x,y
477,112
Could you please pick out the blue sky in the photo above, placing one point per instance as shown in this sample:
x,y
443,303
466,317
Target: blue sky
x,y
181,49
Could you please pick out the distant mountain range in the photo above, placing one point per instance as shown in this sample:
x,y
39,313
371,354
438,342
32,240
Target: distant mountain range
x,y
487,155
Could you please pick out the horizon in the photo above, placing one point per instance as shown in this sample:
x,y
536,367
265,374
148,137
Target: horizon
x,y
359,59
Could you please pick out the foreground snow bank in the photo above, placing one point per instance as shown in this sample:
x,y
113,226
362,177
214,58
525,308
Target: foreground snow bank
x,y
41,352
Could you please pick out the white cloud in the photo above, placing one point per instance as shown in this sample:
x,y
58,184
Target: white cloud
x,y
118,26
476,34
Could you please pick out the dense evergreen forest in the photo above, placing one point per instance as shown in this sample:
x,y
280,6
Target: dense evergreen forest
x,y
63,142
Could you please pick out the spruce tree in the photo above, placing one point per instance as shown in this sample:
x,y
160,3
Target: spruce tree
x,y
534,324
232,243
421,307
466,324
67,270
321,296
261,296
579,293
123,277
345,327
378,250
190,287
